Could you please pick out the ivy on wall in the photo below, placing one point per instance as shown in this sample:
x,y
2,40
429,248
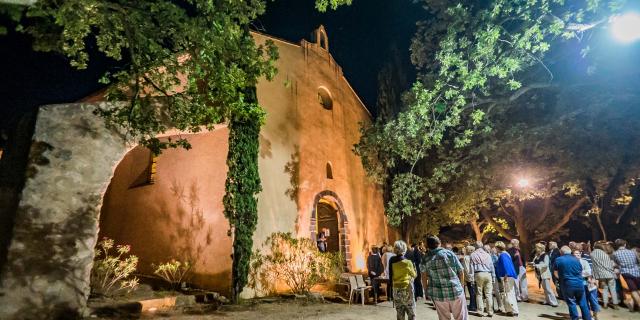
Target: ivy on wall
x,y
242,186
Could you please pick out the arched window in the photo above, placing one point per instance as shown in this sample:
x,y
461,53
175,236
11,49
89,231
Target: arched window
x,y
329,171
321,38
148,175
324,98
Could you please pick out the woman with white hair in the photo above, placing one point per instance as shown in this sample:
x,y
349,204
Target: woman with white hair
x,y
401,273
543,272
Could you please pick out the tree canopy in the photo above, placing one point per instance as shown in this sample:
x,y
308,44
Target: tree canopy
x,y
476,117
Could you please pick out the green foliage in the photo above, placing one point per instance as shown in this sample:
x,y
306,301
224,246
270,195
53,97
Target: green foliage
x,y
323,5
111,274
186,64
296,262
476,61
242,187
406,198
173,272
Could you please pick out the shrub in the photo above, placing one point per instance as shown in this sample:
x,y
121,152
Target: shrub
x,y
111,274
173,272
294,262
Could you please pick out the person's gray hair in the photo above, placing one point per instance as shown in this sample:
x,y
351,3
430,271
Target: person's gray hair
x,y
515,242
479,244
553,245
400,247
565,250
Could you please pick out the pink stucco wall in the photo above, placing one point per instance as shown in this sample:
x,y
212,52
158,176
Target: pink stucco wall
x,y
180,216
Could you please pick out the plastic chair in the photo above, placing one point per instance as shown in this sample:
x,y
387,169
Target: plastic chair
x,y
355,288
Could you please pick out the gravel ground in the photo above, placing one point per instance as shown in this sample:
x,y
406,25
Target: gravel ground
x,y
290,309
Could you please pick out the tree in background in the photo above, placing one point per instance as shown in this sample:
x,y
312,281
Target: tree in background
x,y
477,61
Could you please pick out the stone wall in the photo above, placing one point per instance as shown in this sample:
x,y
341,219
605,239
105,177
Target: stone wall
x,y
71,162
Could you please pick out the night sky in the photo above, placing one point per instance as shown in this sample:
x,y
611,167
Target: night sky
x,y
361,37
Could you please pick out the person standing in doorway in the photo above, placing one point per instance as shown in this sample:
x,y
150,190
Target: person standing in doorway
x,y
444,271
506,275
522,290
569,270
322,242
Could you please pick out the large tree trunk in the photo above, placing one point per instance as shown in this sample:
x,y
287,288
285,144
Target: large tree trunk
x,y
522,230
404,230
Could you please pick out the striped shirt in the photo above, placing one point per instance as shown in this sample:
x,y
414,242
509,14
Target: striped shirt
x,y
602,265
628,261
442,267
481,262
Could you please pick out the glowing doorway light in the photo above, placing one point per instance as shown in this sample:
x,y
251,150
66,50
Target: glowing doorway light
x,y
626,28
523,182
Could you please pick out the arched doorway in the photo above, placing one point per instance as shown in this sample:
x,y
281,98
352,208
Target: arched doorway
x,y
328,215
328,223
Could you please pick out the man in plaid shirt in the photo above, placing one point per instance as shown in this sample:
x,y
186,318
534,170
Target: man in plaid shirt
x,y
444,271
629,264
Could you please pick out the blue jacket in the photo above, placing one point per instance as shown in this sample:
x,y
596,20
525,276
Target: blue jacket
x,y
569,271
504,266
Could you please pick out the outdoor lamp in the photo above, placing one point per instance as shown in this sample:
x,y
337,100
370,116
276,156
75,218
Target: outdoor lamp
x,y
523,182
626,27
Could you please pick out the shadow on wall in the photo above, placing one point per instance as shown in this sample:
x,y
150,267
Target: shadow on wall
x,y
265,147
292,168
170,224
57,242
187,223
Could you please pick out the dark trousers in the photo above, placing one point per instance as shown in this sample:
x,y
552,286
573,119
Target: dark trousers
x,y
375,284
556,282
473,306
574,297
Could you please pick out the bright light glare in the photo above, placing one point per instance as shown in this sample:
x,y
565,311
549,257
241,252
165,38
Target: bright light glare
x,y
626,28
523,183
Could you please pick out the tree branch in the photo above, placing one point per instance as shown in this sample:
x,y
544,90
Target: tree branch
x,y
496,226
565,218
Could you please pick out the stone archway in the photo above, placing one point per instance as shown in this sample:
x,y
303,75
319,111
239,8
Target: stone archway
x,y
329,198
71,162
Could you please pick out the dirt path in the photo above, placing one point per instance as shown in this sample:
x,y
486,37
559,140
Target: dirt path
x,y
292,310
285,310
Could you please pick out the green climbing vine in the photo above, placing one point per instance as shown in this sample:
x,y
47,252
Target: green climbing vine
x,y
242,186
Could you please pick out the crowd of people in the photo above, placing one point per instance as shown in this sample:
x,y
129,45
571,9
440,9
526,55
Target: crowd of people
x,y
495,277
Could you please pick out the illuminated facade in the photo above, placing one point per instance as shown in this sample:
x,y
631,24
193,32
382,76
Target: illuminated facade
x,y
171,207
